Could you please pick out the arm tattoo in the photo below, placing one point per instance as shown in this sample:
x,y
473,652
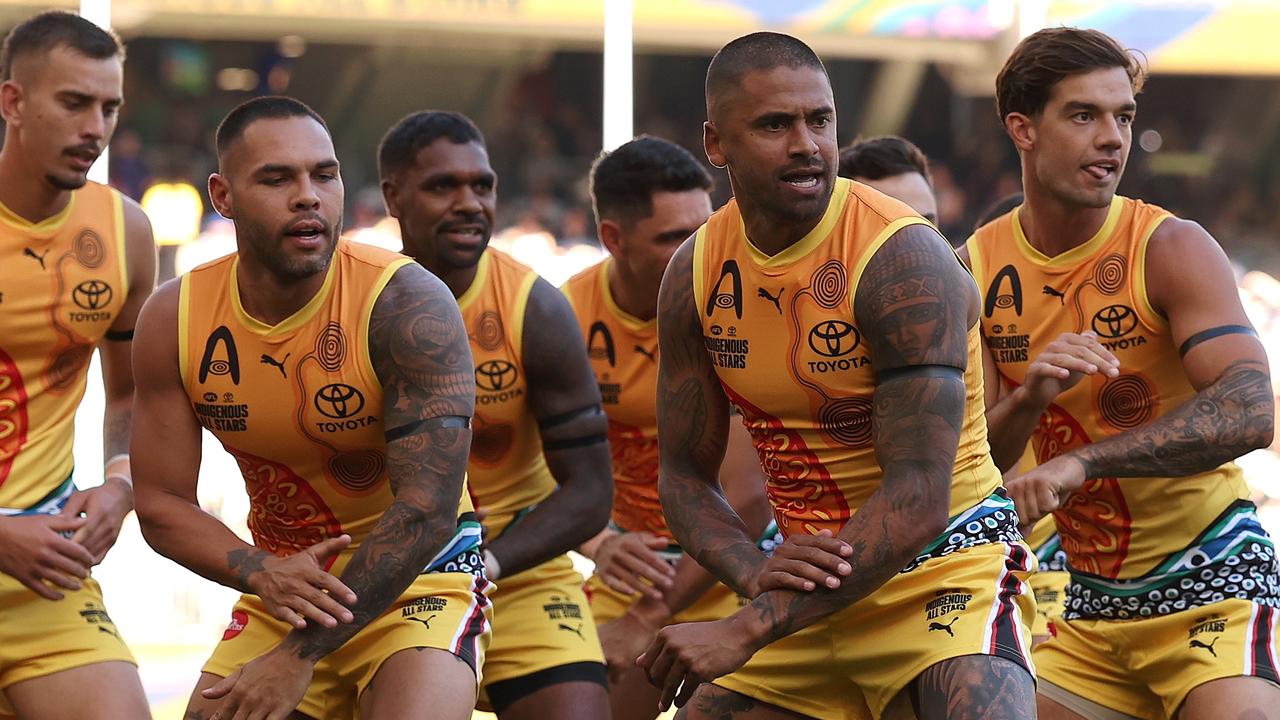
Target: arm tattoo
x,y
245,562
693,422
422,358
565,399
116,424
1229,417
915,301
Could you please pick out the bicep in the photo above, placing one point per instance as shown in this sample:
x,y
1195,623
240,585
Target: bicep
x,y
561,382
140,263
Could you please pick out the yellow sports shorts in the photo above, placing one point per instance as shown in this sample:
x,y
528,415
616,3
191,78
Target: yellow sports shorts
x,y
715,604
1050,589
541,620
40,637
974,601
447,611
1146,667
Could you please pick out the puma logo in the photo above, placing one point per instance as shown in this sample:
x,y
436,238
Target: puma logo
x,y
776,300
939,626
1209,647
32,254
426,622
279,365
575,630
1062,296
651,354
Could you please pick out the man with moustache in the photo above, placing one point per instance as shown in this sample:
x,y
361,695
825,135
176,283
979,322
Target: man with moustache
x,y
539,465
338,375
77,261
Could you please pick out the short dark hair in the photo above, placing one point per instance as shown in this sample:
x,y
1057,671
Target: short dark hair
x,y
47,30
417,130
880,157
998,209
757,52
624,180
269,107
1046,57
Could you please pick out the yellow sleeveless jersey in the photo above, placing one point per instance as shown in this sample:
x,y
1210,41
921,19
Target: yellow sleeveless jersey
x,y
298,404
782,335
1115,528
507,471
63,282
624,355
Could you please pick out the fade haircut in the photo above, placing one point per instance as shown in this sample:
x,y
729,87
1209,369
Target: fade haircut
x,y
880,157
405,140
624,180
757,52
270,107
1047,57
43,32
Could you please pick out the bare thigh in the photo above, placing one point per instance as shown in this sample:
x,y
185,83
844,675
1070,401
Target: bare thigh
x,y
101,691
420,683
712,702
975,687
1236,698
198,708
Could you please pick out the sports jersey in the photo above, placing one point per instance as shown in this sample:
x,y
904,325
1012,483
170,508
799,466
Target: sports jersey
x,y
63,282
299,405
623,350
507,471
1135,546
785,344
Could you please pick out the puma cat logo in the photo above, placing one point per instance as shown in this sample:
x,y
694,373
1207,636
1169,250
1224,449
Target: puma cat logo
x,y
771,298
939,626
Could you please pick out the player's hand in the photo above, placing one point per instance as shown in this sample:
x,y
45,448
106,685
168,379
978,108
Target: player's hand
x,y
804,562
297,588
1043,489
104,507
625,637
266,688
1066,361
682,657
626,560
35,550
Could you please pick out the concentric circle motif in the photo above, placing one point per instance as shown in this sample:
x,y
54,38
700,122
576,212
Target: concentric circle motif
x,y
830,285
489,330
358,470
89,249
1110,273
1126,402
331,347
847,420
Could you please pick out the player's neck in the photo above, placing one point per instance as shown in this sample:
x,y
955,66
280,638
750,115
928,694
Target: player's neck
x,y
31,198
772,235
458,280
633,299
1054,227
269,298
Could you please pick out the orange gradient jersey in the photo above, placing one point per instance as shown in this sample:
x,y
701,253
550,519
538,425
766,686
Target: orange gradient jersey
x,y
63,282
624,355
507,471
298,404
782,336
1028,301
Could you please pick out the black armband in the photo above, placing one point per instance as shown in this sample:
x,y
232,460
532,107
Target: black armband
x,y
577,442
435,423
937,372
1211,333
562,418
119,335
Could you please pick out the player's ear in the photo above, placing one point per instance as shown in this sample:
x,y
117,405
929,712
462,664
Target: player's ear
x,y
711,144
11,103
611,236
1021,130
391,197
220,195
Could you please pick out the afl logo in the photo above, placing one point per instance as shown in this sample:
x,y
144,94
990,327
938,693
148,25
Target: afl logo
x,y
91,294
833,338
603,350
725,300
495,375
1114,321
1004,301
226,364
338,401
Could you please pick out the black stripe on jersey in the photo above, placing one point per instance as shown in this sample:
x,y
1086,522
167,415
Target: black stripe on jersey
x,y
1211,333
465,649
1006,640
1263,667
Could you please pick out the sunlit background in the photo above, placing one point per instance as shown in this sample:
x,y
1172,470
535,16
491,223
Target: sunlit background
x,y
550,87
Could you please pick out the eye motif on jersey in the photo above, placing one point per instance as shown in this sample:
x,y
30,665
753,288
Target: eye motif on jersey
x,y
600,344
225,363
997,299
726,300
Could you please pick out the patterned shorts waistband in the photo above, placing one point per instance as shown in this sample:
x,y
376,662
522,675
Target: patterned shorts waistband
x,y
462,552
992,520
50,504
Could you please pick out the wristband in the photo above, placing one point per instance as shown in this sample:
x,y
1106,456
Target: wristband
x,y
118,468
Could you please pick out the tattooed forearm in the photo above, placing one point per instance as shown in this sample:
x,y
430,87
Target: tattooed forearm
x,y
1226,419
421,356
693,417
116,422
246,562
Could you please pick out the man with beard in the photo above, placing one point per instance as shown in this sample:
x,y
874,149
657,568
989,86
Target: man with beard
x,y
844,330
338,375
1171,608
539,465
77,262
